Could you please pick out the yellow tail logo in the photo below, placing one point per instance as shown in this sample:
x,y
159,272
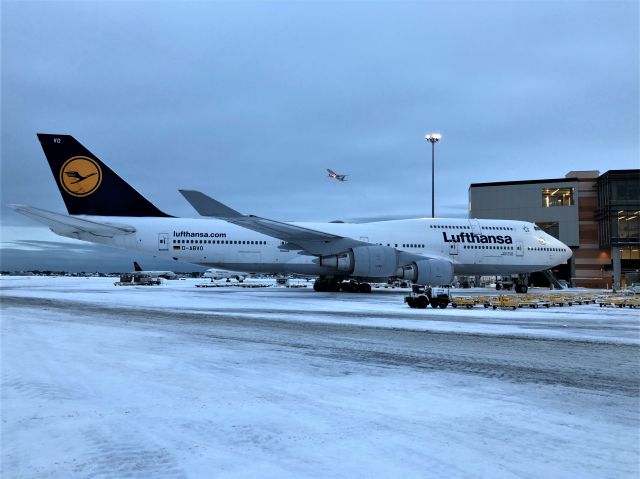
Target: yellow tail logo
x,y
80,176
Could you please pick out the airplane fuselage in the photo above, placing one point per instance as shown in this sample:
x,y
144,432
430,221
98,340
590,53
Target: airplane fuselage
x,y
474,247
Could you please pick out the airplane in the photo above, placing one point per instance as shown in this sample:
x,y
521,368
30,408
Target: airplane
x,y
105,209
336,176
154,274
216,274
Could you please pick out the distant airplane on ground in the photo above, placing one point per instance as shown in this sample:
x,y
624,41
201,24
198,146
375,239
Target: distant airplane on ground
x,y
216,274
155,274
336,176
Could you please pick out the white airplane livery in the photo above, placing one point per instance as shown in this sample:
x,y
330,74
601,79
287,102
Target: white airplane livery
x,y
216,274
104,209
154,274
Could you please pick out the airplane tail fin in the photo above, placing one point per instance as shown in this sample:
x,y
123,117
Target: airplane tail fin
x,y
88,186
136,266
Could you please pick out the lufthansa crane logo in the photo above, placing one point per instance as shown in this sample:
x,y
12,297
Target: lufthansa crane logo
x,y
80,176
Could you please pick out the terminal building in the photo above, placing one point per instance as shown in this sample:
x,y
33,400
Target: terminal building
x,y
598,216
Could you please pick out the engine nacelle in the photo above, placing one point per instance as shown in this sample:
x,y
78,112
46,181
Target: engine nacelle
x,y
364,261
428,271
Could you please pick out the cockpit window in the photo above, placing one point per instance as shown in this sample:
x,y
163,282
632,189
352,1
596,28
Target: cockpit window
x,y
537,228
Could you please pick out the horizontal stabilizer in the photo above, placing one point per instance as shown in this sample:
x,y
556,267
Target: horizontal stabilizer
x,y
72,224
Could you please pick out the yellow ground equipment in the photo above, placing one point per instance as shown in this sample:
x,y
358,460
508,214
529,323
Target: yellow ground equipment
x,y
505,302
464,302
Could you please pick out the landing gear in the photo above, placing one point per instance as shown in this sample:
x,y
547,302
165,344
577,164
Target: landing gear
x,y
334,286
521,288
518,284
326,285
521,284
321,285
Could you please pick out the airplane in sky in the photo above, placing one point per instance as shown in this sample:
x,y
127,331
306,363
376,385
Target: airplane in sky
x,y
103,208
154,274
336,176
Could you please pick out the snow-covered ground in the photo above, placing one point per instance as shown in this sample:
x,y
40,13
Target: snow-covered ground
x,y
177,381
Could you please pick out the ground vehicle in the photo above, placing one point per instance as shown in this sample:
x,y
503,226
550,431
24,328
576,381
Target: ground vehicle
x,y
421,297
635,288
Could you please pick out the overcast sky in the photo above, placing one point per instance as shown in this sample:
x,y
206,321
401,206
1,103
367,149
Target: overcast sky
x,y
251,102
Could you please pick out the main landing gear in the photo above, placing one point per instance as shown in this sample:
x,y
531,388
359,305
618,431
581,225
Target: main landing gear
x,y
520,287
519,284
335,286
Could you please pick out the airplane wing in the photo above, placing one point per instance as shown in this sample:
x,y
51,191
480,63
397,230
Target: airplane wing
x,y
331,171
207,206
313,241
72,224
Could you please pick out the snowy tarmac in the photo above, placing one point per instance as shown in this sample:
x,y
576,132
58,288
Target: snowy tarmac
x,y
177,381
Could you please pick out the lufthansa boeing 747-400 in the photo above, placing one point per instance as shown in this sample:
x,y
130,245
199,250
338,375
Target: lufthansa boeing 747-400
x,y
103,208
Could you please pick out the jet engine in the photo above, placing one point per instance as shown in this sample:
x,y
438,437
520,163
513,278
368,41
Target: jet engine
x,y
427,271
364,261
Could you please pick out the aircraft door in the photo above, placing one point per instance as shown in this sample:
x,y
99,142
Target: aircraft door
x,y
475,226
364,238
163,241
519,248
453,249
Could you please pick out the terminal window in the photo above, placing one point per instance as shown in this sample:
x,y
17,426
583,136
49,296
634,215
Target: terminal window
x,y
630,252
557,197
627,227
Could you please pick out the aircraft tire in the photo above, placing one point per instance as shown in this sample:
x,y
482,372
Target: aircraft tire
x,y
364,287
320,285
348,287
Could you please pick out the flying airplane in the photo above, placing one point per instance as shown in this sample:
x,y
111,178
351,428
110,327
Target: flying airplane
x,y
336,176
103,208
154,274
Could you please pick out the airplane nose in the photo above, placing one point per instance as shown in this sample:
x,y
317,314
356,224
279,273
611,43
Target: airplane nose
x,y
567,253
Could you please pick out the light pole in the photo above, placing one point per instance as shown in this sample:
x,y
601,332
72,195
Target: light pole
x,y
433,138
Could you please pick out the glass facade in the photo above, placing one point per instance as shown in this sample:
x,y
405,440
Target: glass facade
x,y
626,227
619,208
630,252
626,190
557,197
